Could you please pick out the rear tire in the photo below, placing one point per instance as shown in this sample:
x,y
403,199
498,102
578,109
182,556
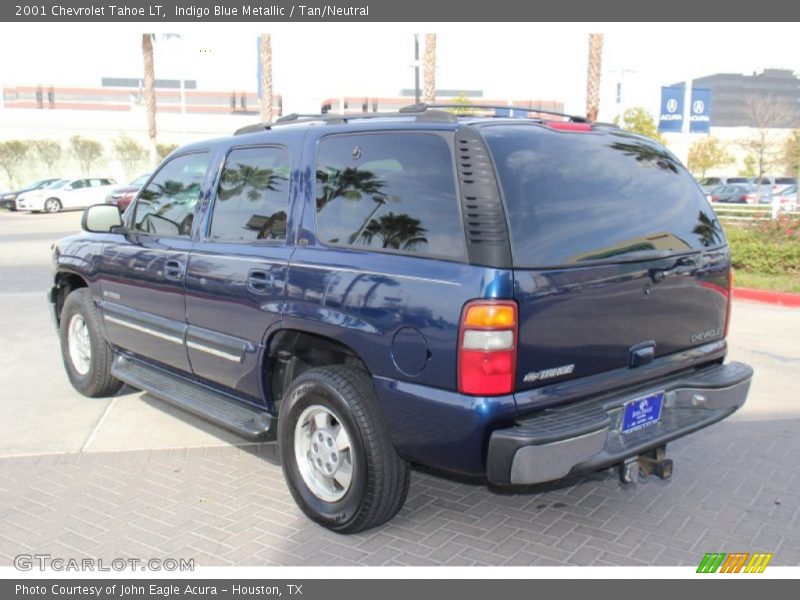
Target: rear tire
x,y
52,205
335,451
86,354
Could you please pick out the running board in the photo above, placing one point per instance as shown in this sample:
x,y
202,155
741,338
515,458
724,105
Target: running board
x,y
220,409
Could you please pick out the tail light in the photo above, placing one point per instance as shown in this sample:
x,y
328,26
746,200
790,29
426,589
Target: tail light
x,y
487,348
748,198
728,303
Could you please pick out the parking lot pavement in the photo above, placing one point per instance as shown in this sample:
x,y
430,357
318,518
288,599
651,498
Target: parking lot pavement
x,y
132,477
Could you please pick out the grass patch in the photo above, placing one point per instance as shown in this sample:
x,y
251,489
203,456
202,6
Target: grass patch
x,y
765,281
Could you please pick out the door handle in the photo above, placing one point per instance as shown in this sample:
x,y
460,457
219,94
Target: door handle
x,y
173,270
259,282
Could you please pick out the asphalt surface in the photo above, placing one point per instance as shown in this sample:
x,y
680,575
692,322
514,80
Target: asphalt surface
x,y
132,476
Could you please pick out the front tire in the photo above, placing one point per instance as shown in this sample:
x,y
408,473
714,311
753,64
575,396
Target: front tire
x,y
335,451
52,205
86,354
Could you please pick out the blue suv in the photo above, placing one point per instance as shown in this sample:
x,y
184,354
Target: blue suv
x,y
512,299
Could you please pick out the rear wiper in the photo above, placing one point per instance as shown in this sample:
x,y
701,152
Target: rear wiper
x,y
684,261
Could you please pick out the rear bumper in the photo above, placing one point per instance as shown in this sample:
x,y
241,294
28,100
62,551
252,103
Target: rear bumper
x,y
585,436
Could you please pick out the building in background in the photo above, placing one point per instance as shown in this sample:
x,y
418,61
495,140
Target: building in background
x,y
185,112
751,115
362,104
736,98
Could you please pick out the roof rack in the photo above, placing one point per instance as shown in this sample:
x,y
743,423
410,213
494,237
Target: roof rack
x,y
421,115
422,107
434,113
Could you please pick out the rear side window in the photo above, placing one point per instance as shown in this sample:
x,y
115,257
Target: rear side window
x,y
253,196
389,192
579,197
167,205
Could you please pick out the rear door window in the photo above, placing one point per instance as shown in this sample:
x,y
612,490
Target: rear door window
x,y
392,192
253,196
600,196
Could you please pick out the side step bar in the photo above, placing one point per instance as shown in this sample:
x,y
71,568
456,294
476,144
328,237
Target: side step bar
x,y
225,411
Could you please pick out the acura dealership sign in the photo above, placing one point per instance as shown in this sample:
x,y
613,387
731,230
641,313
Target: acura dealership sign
x,y
672,115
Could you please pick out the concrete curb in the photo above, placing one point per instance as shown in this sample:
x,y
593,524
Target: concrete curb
x,y
778,298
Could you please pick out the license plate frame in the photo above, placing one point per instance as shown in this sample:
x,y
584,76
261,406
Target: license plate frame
x,y
641,412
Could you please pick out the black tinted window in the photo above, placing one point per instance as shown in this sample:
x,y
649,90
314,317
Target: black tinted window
x,y
253,196
575,197
389,191
167,205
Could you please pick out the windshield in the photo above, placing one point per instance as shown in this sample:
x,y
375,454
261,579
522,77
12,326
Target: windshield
x,y
607,196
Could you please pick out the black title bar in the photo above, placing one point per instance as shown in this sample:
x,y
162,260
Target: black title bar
x,y
310,11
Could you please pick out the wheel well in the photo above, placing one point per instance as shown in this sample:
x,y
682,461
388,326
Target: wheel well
x,y
292,353
65,284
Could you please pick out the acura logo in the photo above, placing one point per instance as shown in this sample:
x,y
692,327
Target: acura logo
x,y
672,105
698,106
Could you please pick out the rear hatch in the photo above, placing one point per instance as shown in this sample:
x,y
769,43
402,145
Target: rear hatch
x,y
618,257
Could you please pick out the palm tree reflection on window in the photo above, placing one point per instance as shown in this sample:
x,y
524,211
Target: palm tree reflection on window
x,y
395,232
708,230
249,181
647,155
349,183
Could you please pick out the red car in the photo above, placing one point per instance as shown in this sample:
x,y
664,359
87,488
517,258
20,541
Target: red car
x,y
123,195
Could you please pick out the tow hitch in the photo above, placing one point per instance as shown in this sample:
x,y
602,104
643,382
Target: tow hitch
x,y
649,463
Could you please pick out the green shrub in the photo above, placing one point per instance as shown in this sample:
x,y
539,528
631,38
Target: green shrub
x,y
771,247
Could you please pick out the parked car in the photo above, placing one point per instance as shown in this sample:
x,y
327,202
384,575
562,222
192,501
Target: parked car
x,y
512,299
9,199
66,194
741,193
122,195
708,183
736,193
774,182
787,198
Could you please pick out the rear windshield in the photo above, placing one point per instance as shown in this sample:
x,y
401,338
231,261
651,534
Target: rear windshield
x,y
581,197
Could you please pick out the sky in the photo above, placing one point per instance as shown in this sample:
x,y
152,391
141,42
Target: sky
x,y
312,61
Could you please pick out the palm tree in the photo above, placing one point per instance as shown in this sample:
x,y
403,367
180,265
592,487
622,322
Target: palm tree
x,y
593,76
429,95
266,77
150,95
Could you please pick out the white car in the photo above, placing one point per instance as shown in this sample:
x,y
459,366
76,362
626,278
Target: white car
x,y
66,194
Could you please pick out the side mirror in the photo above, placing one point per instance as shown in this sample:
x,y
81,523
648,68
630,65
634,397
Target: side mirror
x,y
68,188
101,218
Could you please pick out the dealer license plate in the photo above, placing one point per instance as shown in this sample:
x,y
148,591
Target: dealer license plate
x,y
642,412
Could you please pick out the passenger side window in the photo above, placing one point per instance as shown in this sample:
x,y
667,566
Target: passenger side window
x,y
253,196
79,183
167,205
393,192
